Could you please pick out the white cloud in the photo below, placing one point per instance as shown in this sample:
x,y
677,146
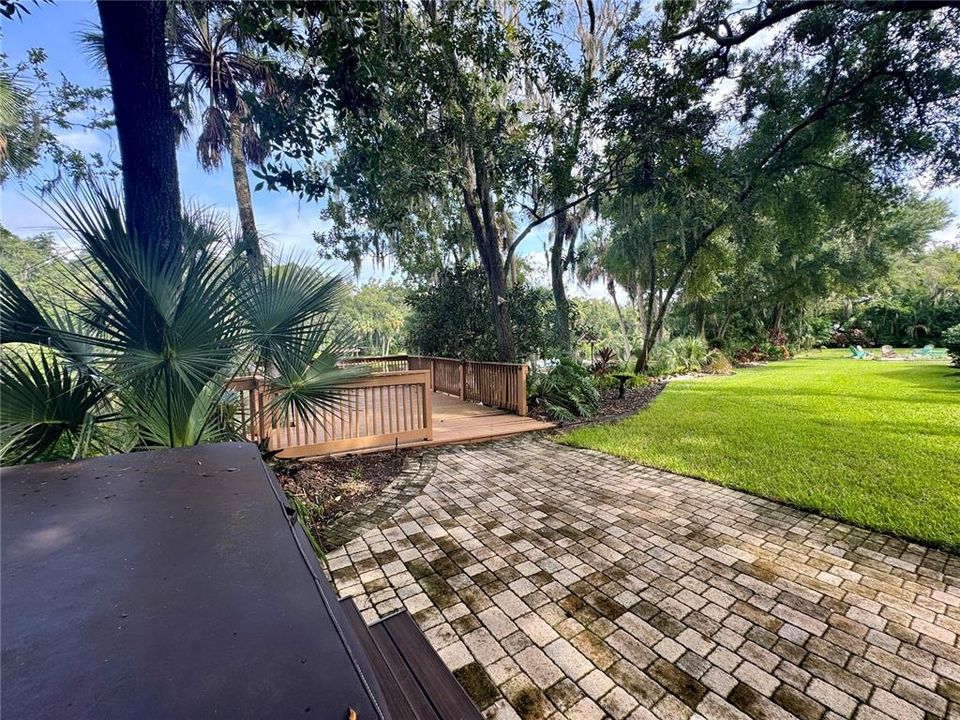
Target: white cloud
x,y
87,141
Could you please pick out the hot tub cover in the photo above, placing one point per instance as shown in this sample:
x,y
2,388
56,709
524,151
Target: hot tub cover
x,y
168,584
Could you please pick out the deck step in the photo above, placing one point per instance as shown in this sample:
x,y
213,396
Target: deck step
x,y
415,682
398,701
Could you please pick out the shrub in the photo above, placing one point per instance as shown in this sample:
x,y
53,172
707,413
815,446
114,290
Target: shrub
x,y
610,381
689,353
748,354
565,392
660,362
777,337
451,317
717,363
678,355
604,363
843,338
775,352
951,339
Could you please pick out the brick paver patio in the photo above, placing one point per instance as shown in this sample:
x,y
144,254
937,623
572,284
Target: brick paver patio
x,y
564,583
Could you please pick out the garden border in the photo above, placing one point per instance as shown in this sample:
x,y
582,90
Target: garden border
x,y
416,473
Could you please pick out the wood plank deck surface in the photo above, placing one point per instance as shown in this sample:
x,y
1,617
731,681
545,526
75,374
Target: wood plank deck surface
x,y
456,422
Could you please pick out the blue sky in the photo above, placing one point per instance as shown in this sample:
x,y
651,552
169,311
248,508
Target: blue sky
x,y
287,222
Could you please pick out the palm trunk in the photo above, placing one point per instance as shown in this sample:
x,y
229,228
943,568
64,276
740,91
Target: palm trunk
x,y
241,185
612,290
560,300
134,45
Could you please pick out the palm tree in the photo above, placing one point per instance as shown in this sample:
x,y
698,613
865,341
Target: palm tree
x,y
144,353
591,268
213,68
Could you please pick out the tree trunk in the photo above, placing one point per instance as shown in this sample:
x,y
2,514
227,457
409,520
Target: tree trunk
x,y
776,321
561,303
496,278
241,185
612,290
493,262
702,319
134,44
511,269
654,331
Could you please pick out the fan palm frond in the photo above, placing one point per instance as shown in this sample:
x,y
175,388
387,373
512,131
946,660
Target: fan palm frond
x,y
286,302
90,39
157,337
42,401
21,321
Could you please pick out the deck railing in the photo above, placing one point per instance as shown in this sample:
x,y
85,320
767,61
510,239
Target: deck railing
x,y
375,411
378,363
390,406
502,385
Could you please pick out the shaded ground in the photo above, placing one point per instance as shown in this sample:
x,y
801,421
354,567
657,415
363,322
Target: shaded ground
x,y
328,489
870,442
613,408
563,583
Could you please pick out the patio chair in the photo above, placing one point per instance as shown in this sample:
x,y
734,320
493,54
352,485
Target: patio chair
x,y
929,352
859,353
887,353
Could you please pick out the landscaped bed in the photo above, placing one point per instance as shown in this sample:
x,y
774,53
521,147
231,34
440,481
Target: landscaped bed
x,y
612,406
871,442
325,489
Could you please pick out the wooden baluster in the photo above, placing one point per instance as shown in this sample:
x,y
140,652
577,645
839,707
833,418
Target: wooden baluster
x,y
390,393
381,413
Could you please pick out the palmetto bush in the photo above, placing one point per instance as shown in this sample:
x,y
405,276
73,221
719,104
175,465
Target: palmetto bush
x,y
689,353
679,355
565,392
142,355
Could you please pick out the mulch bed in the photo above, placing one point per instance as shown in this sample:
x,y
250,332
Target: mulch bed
x,y
613,408
327,488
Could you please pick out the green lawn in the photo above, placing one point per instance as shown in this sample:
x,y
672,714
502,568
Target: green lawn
x,y
873,443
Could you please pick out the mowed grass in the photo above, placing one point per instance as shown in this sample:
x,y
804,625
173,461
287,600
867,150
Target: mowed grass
x,y
874,443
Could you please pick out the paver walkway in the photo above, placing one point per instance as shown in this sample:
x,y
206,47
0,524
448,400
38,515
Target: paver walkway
x,y
565,583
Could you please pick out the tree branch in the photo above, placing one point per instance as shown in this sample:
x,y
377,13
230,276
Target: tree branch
x,y
762,22
549,216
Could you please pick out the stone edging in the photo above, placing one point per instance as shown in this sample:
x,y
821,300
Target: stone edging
x,y
416,473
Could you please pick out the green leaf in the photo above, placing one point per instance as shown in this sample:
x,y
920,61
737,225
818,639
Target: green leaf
x,y
43,401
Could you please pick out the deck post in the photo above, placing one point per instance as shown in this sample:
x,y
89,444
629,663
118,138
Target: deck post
x,y
428,409
463,379
522,391
261,413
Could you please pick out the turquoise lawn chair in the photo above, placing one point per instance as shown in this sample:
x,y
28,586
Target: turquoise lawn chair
x,y
859,353
928,352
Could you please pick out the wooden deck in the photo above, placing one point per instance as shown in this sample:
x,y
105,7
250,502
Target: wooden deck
x,y
403,401
455,422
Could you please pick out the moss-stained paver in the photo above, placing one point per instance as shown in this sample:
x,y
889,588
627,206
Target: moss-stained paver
x,y
562,583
